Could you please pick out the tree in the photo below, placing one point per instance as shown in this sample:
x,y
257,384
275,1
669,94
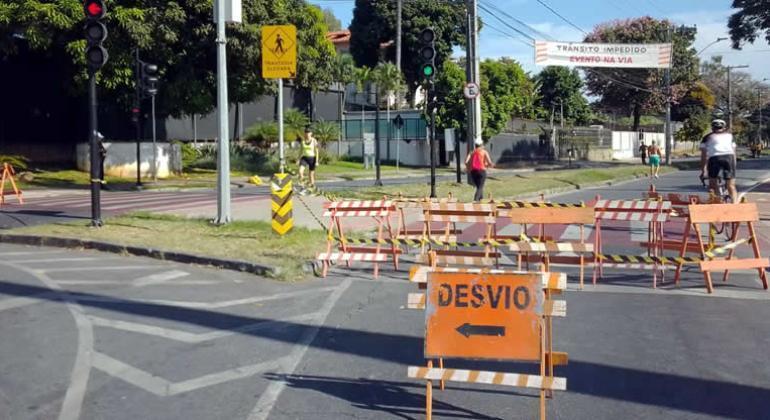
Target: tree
x,y
179,37
325,131
388,78
636,91
748,23
449,87
332,23
562,85
507,91
744,94
295,122
374,24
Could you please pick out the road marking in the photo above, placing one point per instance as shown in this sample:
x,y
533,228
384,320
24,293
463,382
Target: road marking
x,y
47,260
128,283
194,338
19,302
110,268
273,391
159,278
164,388
237,302
572,233
510,229
639,231
21,253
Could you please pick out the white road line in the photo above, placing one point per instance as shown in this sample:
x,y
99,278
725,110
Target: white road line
x,y
572,233
22,253
46,260
639,231
159,278
163,387
273,391
110,268
128,283
194,338
81,369
237,302
510,229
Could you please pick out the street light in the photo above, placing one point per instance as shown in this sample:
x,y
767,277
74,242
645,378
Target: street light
x,y
720,39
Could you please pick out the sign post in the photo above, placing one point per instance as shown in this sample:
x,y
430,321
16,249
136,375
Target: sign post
x,y
279,61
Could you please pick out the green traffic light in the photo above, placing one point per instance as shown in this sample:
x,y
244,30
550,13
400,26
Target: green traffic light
x,y
428,70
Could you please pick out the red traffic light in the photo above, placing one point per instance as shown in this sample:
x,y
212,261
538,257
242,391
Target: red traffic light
x,y
94,9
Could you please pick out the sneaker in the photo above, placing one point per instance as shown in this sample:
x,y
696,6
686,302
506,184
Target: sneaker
x,y
656,175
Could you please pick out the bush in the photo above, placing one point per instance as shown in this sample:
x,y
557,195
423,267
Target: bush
x,y
190,154
243,157
326,131
262,134
18,162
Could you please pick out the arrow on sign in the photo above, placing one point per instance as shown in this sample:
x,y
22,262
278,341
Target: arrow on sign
x,y
468,330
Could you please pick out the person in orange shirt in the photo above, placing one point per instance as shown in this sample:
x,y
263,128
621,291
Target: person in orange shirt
x,y
477,163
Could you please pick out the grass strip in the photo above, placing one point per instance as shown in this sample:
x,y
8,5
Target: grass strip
x,y
251,241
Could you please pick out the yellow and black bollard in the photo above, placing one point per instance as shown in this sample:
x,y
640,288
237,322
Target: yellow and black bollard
x,y
281,195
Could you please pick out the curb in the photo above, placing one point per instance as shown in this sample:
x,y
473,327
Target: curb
x,y
180,257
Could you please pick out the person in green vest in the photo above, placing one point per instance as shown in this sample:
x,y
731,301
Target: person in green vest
x,y
309,157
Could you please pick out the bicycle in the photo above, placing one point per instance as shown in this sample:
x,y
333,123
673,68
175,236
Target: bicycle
x,y
720,196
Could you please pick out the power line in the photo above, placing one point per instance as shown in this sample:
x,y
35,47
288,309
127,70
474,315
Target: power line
x,y
522,23
508,25
490,26
561,17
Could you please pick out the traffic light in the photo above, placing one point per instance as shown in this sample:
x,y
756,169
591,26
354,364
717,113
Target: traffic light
x,y
428,54
96,33
148,78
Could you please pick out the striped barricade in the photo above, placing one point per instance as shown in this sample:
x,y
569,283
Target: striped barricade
x,y
652,213
448,215
8,174
338,249
502,315
736,214
548,252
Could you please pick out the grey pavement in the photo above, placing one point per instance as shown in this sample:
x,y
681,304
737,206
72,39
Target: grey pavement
x,y
97,336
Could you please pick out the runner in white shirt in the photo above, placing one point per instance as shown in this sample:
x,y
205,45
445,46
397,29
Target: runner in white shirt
x,y
718,155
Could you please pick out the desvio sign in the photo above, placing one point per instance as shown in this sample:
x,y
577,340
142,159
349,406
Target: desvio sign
x,y
484,316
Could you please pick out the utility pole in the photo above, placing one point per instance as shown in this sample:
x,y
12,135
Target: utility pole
x,y
669,140
730,94
561,113
223,150
377,179
136,111
473,9
469,120
399,4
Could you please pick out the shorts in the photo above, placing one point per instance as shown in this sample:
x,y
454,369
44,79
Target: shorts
x,y
721,163
308,161
655,160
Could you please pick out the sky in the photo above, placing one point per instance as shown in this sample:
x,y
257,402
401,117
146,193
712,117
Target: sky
x,y
710,17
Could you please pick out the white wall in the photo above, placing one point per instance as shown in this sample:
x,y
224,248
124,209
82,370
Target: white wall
x,y
121,159
625,144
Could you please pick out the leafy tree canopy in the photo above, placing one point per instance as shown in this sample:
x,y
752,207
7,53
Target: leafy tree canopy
x,y
749,22
179,37
332,23
560,84
635,91
374,24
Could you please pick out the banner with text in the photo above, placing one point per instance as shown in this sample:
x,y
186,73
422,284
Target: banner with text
x,y
555,53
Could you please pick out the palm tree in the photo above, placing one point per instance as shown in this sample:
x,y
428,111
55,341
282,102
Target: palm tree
x,y
344,73
363,75
389,80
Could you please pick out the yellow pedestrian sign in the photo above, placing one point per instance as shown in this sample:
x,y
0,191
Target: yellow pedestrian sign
x,y
279,52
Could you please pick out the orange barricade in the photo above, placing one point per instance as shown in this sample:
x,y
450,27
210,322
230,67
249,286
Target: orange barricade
x,y
404,204
653,212
8,174
679,204
737,214
544,251
380,211
449,214
493,315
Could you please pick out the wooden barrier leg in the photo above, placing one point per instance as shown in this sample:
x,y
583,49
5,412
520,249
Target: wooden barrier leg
x,y
2,184
378,247
730,254
682,251
429,395
582,257
393,246
441,365
755,247
706,274
542,369
549,342
15,188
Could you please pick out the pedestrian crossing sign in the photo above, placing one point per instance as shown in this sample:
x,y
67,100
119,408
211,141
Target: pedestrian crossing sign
x,y
279,52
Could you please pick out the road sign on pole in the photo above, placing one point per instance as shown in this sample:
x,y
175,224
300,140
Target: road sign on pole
x,y
482,316
471,90
279,52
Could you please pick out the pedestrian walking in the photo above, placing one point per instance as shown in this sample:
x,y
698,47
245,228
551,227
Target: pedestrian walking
x,y
643,152
309,157
654,153
477,163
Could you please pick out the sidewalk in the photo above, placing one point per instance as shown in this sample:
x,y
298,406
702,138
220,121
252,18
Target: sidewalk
x,y
761,196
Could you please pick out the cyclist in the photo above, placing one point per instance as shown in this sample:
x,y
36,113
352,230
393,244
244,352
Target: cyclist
x,y
718,155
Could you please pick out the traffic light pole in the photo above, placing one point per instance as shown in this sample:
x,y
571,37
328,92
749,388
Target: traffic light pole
x,y
223,149
138,122
377,179
432,140
96,183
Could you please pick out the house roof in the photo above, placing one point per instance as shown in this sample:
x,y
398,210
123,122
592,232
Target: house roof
x,y
338,37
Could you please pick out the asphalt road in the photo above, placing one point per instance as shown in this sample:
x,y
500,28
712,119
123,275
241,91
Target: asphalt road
x,y
98,336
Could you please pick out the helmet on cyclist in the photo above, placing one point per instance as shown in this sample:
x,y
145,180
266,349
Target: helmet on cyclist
x,y
718,124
